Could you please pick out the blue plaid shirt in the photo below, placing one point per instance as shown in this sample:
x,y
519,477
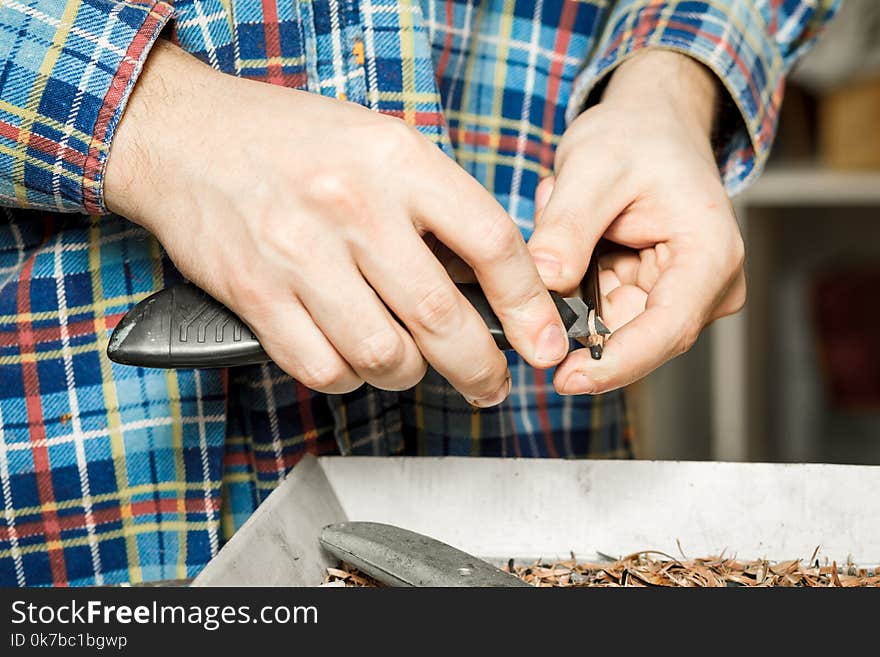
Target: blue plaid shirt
x,y
119,474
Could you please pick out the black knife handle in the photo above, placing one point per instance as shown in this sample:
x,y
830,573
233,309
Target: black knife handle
x,y
474,294
183,327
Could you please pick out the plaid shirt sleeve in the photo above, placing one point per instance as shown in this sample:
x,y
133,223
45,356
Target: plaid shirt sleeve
x,y
68,70
750,45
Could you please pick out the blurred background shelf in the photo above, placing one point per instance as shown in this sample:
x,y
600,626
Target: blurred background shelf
x,y
809,184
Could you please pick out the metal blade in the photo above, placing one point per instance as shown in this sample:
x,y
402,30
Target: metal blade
x,y
579,329
399,557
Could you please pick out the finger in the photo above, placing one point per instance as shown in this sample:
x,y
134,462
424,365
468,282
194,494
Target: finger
x,y
476,227
299,348
622,305
361,328
608,281
640,268
675,312
542,194
448,330
631,353
624,264
580,208
458,270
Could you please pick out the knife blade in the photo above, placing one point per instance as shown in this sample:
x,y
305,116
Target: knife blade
x,y
184,327
399,557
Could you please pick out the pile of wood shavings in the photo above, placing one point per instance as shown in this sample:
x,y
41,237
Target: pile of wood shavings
x,y
652,568
346,575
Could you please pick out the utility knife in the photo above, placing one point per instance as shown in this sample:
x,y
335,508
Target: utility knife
x,y
184,327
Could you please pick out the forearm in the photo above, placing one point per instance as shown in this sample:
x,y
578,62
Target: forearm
x,y
670,82
174,88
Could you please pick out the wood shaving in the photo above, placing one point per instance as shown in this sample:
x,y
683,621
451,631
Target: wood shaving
x,y
652,568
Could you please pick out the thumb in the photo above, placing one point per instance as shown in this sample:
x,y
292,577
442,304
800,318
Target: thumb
x,y
570,217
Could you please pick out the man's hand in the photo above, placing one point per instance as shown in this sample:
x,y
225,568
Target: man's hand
x,y
638,169
308,217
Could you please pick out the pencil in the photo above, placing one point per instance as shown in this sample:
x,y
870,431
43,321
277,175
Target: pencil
x,y
593,298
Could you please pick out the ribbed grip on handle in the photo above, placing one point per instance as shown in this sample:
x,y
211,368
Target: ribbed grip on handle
x,y
182,327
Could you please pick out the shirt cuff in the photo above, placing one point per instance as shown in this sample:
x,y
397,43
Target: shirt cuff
x,y
76,70
731,41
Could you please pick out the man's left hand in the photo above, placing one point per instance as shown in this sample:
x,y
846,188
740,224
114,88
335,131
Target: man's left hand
x,y
638,169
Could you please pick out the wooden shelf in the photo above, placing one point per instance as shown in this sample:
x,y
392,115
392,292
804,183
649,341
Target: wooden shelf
x,y
812,185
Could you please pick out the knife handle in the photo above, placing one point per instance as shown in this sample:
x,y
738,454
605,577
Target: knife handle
x,y
475,296
184,327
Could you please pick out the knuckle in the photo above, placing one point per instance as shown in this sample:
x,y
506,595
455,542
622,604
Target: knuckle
x,y
324,377
328,191
378,353
245,292
501,241
412,376
397,139
528,305
484,380
437,310
327,186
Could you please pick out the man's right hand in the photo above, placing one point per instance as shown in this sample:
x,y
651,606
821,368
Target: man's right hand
x,y
307,217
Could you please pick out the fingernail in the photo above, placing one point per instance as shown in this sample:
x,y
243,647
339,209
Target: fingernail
x,y
577,384
548,266
492,400
552,344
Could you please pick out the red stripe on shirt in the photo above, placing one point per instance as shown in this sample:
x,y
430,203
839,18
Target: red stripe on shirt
x,y
274,72
44,145
144,508
554,76
538,150
447,41
37,429
10,337
421,118
543,415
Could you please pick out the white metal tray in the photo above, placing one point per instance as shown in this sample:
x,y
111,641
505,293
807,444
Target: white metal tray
x,y
529,508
